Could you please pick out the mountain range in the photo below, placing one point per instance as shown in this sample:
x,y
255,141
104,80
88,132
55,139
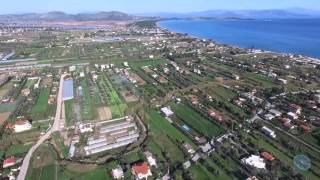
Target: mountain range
x,y
57,15
119,16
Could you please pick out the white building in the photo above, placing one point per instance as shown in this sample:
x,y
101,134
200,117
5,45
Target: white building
x,y
81,74
86,128
151,160
269,117
166,111
254,161
125,64
117,173
72,68
275,112
22,125
293,115
268,132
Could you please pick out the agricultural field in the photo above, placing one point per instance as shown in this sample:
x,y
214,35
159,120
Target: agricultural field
x,y
68,107
164,137
18,149
44,164
42,109
203,126
87,105
112,98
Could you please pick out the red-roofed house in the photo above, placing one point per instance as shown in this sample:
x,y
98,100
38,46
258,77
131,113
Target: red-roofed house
x,y
141,170
11,161
213,114
306,129
267,156
194,100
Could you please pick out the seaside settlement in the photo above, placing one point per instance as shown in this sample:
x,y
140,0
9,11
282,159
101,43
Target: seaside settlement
x,y
130,100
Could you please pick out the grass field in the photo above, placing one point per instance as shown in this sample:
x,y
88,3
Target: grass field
x,y
68,106
41,107
164,137
18,149
262,143
196,121
43,164
260,79
7,107
87,104
114,101
58,140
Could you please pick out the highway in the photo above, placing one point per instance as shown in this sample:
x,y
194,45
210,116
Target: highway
x,y
55,127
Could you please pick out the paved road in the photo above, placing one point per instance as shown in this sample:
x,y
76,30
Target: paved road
x,y
55,127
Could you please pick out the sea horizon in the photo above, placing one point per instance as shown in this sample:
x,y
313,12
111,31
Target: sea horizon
x,y
251,33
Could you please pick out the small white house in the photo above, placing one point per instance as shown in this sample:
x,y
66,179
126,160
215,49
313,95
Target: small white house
x,y
166,111
117,173
22,125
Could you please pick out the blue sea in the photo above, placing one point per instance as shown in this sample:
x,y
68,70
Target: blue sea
x,y
297,36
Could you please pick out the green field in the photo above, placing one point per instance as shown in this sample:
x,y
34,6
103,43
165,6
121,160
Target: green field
x,y
43,164
262,143
7,107
113,99
87,104
41,107
164,137
68,106
18,149
196,121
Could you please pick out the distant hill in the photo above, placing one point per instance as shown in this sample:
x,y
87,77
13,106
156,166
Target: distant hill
x,y
57,15
293,13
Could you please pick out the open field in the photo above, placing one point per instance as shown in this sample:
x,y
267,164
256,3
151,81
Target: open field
x,y
41,108
4,116
104,113
43,164
68,106
18,150
113,100
196,121
87,105
4,89
164,137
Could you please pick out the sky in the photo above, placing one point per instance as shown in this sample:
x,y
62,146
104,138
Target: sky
x,y
148,6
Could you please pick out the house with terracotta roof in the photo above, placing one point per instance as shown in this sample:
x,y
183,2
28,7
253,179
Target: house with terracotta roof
x,y
305,129
213,114
295,108
9,162
267,156
141,170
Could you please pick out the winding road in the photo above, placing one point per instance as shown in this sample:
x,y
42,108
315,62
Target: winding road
x,y
55,127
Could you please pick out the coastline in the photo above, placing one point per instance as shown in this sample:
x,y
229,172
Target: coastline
x,y
309,59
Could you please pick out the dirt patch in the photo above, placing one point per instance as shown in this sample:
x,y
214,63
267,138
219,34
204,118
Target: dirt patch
x,y
46,82
5,89
220,79
147,69
139,80
104,113
81,167
128,96
43,157
4,116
